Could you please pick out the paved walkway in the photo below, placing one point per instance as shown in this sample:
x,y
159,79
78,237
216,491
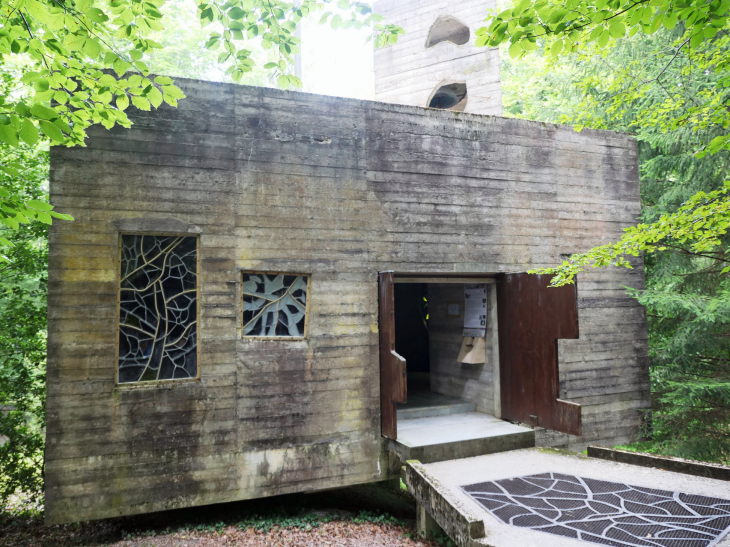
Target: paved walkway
x,y
452,475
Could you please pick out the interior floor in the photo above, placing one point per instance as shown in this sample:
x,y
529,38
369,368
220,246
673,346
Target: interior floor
x,y
424,403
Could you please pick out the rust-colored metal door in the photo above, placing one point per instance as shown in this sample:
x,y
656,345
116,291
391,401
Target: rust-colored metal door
x,y
392,365
532,317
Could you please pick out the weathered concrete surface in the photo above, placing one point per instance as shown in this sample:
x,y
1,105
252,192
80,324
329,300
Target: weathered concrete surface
x,y
408,72
445,479
459,521
339,189
680,465
456,436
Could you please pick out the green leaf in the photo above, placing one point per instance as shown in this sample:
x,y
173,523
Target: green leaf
x,y
38,11
28,132
44,217
30,77
617,30
41,85
51,131
60,216
62,125
74,42
556,48
283,81
140,102
40,205
697,39
43,112
236,13
92,48
603,38
515,50
96,15
558,15
9,135
122,102
670,20
163,80
155,96
173,91
121,66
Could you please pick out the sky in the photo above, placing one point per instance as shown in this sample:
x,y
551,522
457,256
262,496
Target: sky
x,y
334,62
337,62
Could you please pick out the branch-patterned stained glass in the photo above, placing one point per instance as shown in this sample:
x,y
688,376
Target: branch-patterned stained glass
x,y
275,305
158,311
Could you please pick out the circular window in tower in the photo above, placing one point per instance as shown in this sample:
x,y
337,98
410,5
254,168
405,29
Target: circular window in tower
x,y
449,97
447,29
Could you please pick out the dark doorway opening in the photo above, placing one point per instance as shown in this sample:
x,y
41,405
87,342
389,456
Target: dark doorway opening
x,y
412,339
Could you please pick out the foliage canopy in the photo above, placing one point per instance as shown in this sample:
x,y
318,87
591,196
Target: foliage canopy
x,y
685,84
630,85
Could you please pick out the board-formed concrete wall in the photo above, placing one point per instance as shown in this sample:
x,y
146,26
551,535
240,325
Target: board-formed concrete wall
x,y
339,189
408,72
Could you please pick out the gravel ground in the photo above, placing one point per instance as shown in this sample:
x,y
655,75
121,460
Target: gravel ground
x,y
354,517
338,534
345,533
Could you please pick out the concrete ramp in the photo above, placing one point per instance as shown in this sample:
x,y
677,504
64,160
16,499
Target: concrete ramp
x,y
541,497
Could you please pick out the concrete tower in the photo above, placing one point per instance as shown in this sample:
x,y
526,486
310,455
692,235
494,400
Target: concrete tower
x,y
436,63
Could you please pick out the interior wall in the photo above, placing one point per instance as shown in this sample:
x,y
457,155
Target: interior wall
x,y
474,383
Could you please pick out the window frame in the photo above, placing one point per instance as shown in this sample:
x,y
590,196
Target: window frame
x,y
306,310
149,383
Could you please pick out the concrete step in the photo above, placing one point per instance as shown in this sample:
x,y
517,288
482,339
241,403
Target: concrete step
x,y
443,407
453,436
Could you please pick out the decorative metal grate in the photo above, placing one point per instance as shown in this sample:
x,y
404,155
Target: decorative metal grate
x,y
158,308
605,512
275,305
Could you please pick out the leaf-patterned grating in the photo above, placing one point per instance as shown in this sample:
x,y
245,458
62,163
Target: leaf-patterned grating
x,y
604,512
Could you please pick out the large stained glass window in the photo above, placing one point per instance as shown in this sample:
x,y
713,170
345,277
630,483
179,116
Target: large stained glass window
x,y
275,305
158,309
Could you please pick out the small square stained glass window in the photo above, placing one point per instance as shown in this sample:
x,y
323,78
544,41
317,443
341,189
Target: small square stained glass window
x,y
275,305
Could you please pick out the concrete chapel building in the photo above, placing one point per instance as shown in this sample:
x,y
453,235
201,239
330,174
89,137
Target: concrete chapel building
x,y
269,291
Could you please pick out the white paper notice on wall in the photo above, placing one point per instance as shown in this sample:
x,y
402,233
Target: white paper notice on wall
x,y
475,309
453,309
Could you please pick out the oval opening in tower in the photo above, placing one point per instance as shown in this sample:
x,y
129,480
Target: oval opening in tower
x,y
447,29
449,97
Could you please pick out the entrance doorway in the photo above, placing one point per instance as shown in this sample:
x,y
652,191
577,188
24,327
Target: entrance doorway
x,y
447,391
429,326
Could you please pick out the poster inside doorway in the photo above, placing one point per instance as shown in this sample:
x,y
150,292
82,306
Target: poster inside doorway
x,y
475,309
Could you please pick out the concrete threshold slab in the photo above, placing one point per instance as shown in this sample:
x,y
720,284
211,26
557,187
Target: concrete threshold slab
x,y
453,436
437,487
409,411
